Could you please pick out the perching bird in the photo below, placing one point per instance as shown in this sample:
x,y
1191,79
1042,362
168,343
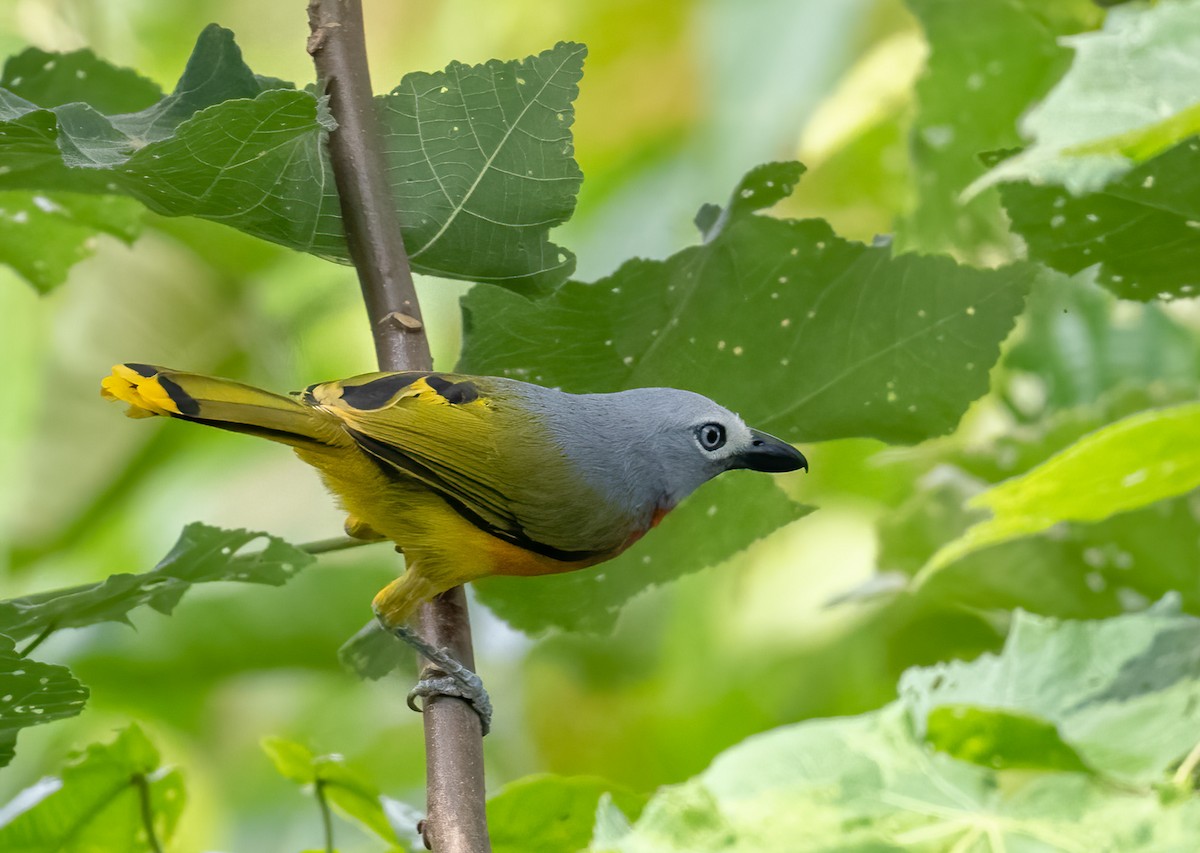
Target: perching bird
x,y
476,475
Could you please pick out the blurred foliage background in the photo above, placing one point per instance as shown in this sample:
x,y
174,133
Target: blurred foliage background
x,y
679,99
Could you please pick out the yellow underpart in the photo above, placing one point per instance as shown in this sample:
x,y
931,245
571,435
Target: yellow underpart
x,y
145,396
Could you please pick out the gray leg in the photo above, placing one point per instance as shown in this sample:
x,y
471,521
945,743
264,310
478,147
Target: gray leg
x,y
457,681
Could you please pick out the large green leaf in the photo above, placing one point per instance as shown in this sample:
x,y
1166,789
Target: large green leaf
x,y
480,157
1123,694
865,784
724,517
203,554
803,333
1130,94
43,235
978,82
1134,462
1143,228
98,802
552,814
31,693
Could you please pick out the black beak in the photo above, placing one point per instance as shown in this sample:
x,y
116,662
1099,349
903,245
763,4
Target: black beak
x,y
768,453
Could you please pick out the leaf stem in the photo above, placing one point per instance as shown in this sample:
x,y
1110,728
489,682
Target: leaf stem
x,y
38,640
457,820
1188,767
326,814
143,788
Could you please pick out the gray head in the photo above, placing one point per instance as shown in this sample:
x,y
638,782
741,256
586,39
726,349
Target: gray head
x,y
693,439
649,448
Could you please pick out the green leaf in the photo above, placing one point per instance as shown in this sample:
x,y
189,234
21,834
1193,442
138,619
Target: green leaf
x,y
805,334
865,784
726,516
347,790
293,760
1122,693
203,554
1143,228
1001,739
97,802
978,82
43,236
31,693
479,157
53,79
1138,460
1130,94
373,653
552,814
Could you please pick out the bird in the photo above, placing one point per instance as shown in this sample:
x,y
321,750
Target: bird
x,y
471,476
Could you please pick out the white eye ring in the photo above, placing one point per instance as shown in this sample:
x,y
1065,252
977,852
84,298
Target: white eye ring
x,y
711,436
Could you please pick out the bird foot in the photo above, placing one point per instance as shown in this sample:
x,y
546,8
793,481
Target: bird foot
x,y
447,677
466,686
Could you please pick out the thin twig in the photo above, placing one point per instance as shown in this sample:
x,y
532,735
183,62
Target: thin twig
x,y
143,788
326,815
457,821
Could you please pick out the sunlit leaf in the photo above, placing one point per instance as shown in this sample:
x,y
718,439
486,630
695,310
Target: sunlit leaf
x,y
480,157
1123,694
203,554
347,790
1134,462
97,802
32,693
865,784
1130,94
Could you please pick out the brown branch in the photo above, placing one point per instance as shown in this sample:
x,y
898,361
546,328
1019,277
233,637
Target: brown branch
x,y
453,741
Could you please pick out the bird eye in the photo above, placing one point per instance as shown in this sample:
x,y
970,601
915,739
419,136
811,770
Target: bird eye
x,y
711,436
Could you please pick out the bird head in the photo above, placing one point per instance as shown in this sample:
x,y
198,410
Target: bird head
x,y
668,442
695,439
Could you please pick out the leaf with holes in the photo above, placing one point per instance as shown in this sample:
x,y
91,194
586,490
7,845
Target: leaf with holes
x,y
803,333
480,158
203,554
1142,229
978,82
43,235
31,693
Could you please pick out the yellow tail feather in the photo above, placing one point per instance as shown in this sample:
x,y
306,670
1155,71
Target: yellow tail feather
x,y
151,390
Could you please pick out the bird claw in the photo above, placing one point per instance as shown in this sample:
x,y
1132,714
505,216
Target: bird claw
x,y
452,678
462,684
